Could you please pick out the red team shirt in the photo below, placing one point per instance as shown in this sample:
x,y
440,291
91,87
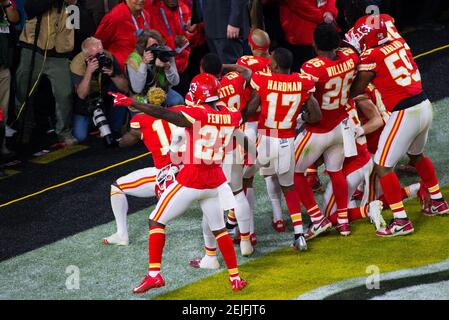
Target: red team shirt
x,y
282,96
156,135
233,90
207,139
333,80
256,64
397,75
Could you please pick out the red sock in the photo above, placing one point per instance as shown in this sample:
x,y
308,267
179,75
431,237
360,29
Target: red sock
x,y
404,194
304,191
429,178
354,214
340,187
227,251
156,243
294,207
392,190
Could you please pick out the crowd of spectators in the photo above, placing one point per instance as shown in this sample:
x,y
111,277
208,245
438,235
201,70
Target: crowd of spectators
x,y
115,47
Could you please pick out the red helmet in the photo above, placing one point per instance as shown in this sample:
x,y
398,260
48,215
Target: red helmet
x,y
204,88
375,32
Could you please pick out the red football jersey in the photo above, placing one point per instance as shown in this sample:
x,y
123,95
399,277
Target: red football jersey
x,y
156,135
282,96
361,27
207,139
333,80
397,75
256,64
232,92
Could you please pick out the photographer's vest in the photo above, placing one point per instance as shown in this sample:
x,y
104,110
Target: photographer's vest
x,y
54,34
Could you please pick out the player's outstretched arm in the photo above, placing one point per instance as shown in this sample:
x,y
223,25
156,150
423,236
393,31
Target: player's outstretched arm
x,y
251,106
361,81
371,112
155,111
244,71
313,111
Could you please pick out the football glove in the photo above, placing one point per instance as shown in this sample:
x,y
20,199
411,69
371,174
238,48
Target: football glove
x,y
121,100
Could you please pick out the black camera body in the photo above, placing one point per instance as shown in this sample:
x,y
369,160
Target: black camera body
x,y
103,61
161,52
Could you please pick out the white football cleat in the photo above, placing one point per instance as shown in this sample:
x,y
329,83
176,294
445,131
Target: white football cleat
x,y
207,262
375,214
116,239
246,248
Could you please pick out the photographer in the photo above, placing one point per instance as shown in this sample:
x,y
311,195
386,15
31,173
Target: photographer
x,y
94,73
152,64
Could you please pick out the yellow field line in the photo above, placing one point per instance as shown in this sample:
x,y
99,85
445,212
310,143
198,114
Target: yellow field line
x,y
74,180
431,51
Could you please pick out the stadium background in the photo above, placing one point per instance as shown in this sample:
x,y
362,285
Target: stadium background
x,y
43,234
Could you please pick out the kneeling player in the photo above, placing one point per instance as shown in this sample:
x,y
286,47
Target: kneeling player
x,y
156,135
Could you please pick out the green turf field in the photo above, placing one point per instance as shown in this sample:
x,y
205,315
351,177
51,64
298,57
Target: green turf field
x,y
273,272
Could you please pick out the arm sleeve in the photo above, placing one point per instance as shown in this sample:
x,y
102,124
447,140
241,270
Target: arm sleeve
x,y
193,114
135,122
137,78
172,74
238,9
310,70
256,81
34,8
368,62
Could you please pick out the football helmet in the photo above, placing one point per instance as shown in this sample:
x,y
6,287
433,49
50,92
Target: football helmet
x,y
375,32
204,88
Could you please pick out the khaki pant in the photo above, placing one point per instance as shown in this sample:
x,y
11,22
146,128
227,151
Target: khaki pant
x,y
58,72
5,83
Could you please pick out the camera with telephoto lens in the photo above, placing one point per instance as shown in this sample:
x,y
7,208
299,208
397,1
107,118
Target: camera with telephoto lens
x,y
103,61
161,52
100,121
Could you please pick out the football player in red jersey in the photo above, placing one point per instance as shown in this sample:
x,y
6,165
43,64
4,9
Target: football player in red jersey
x,y
259,42
210,126
280,95
391,68
233,85
156,135
333,71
